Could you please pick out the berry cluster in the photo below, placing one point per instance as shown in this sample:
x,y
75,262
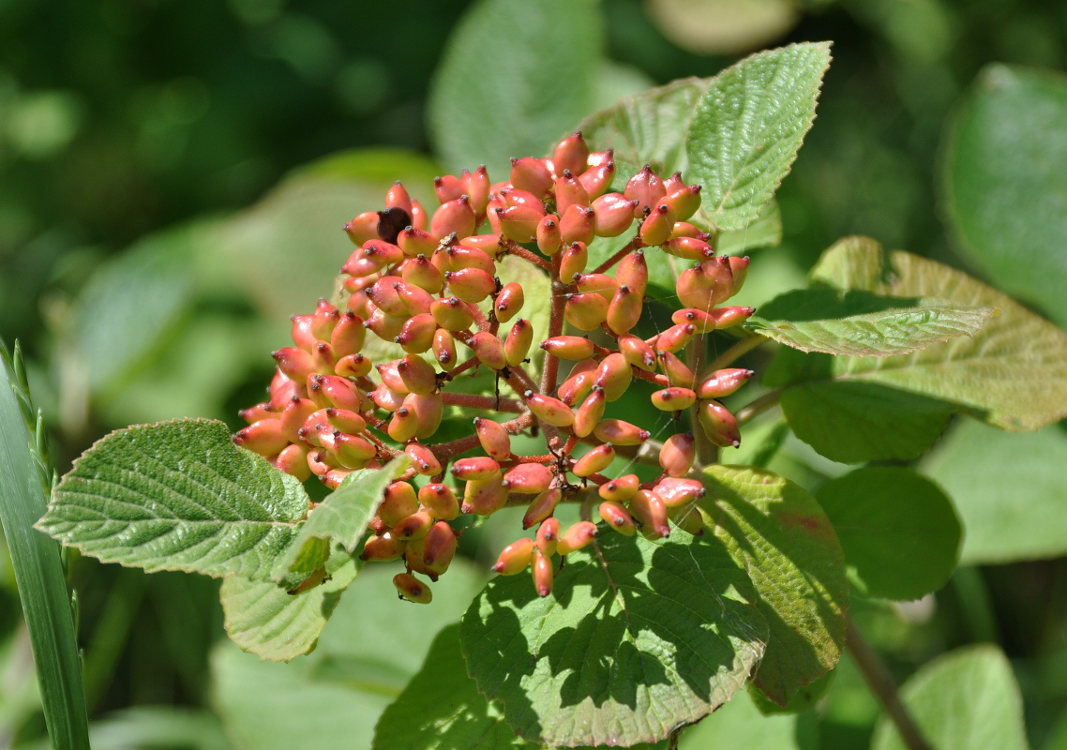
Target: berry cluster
x,y
429,283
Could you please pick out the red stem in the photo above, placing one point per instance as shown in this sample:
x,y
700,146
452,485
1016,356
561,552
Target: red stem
x,y
630,246
555,327
652,377
518,250
490,403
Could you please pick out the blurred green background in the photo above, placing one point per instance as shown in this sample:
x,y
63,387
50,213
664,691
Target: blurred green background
x,y
173,177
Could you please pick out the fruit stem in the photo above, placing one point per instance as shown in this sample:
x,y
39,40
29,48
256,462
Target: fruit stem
x,y
490,403
883,687
514,248
446,451
628,248
555,327
706,452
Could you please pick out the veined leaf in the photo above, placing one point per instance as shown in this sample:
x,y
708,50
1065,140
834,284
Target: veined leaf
x,y
264,618
785,542
1013,374
637,638
747,128
862,324
441,708
898,530
177,496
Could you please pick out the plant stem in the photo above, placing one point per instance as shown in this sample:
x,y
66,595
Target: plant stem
x,y
482,402
883,687
707,453
519,251
555,327
758,406
630,246
735,352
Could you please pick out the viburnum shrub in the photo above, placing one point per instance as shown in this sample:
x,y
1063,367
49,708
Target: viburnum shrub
x,y
428,282
566,343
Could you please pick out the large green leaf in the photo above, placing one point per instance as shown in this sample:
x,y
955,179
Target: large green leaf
x,y
1013,374
898,530
177,496
1005,182
853,422
965,699
441,708
26,476
862,324
1008,489
785,542
332,697
636,638
747,129
513,75
264,618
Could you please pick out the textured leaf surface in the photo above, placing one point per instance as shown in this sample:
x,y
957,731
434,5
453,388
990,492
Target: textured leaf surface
x,y
785,542
177,496
862,324
853,422
441,708
1005,184
332,697
898,530
543,58
264,618
632,641
747,129
965,699
1010,490
1013,373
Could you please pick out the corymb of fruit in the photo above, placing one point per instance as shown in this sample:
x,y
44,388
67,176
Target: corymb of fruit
x,y
427,281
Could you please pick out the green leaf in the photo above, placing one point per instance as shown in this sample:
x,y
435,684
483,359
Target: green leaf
x,y
342,516
853,422
648,128
177,496
862,324
265,619
764,231
441,708
967,698
332,697
25,479
1005,186
739,724
1013,374
511,74
786,544
1008,490
159,728
748,127
898,530
636,638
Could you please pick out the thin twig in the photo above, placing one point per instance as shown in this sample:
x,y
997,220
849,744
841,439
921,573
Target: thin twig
x,y
735,352
750,410
628,248
472,401
707,453
883,687
514,248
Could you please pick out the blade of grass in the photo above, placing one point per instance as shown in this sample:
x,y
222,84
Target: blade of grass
x,y
25,483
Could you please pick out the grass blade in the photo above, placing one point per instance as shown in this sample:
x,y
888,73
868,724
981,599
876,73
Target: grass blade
x,y
25,483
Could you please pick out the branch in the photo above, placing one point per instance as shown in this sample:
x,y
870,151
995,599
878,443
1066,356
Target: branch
x,y
628,248
735,352
490,403
883,687
756,407
514,248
